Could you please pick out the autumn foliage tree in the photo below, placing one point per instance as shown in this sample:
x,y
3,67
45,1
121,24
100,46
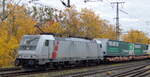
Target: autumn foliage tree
x,y
136,36
85,23
46,19
17,24
71,22
4,9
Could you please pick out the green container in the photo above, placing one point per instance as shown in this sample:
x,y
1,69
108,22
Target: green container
x,y
125,48
121,48
117,48
139,49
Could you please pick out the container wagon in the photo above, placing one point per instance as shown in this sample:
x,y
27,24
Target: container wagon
x,y
115,50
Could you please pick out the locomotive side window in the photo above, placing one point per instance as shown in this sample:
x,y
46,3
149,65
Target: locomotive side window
x,y
104,52
47,43
100,45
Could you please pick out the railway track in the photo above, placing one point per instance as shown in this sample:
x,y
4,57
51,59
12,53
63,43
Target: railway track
x,y
140,71
18,72
104,70
9,69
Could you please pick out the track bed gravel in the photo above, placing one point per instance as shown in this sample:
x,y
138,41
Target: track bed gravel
x,y
58,73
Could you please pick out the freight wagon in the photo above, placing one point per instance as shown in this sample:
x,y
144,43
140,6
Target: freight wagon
x,y
115,50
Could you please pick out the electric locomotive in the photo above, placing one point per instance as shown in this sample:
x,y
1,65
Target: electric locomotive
x,y
50,51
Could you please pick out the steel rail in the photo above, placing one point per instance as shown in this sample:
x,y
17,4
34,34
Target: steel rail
x,y
17,73
144,74
10,69
140,72
95,71
133,72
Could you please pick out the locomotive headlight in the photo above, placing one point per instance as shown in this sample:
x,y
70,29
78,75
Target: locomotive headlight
x,y
33,56
19,56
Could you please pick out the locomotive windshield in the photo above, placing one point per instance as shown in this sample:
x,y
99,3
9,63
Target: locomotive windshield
x,y
29,43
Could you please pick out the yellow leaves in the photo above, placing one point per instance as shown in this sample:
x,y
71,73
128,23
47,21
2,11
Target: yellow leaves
x,y
17,24
71,22
108,31
136,36
91,23
52,27
86,24
6,48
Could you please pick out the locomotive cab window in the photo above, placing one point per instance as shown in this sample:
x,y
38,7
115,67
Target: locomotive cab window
x,y
47,43
29,43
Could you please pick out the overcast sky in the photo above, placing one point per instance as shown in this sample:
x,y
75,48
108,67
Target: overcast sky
x,y
137,17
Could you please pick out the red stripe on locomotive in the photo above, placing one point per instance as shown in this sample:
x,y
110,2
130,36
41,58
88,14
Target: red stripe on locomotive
x,y
55,52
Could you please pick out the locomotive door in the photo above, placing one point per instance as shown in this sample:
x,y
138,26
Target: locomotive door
x,y
47,49
100,53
